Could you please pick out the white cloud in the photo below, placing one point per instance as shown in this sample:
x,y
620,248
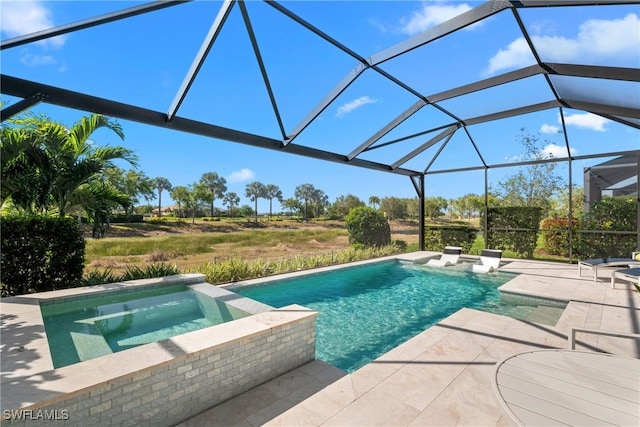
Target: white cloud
x,y
582,120
27,16
36,60
550,150
516,55
596,38
356,103
587,121
549,129
541,26
241,175
556,151
431,15
614,37
383,28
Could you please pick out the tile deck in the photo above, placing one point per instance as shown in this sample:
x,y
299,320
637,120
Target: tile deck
x,y
442,376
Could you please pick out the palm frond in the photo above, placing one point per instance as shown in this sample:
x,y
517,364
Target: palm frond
x,y
106,193
13,143
106,154
83,128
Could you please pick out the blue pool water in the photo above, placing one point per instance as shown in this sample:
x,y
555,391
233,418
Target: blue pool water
x,y
94,326
366,311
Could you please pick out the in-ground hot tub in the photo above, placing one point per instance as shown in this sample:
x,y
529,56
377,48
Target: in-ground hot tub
x,y
84,327
143,381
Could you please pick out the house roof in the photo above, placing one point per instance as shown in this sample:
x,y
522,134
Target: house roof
x,y
619,175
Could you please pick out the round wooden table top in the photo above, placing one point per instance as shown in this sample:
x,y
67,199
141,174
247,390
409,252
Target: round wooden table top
x,y
568,387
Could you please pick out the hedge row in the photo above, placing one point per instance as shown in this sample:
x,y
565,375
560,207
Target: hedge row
x,y
436,238
40,254
556,240
609,214
524,220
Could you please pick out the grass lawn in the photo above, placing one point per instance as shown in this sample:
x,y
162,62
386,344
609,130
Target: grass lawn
x,y
190,245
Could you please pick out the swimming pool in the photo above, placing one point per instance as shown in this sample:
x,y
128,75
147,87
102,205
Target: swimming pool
x,y
92,326
366,311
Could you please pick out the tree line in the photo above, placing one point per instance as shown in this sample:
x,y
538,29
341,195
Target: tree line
x,y
533,185
50,168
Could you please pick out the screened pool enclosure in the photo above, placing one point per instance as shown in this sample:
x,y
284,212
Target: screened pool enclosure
x,y
569,65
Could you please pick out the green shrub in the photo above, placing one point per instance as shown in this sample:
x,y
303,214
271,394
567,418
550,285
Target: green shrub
x,y
40,254
149,271
400,244
609,214
556,241
436,238
96,277
234,269
524,222
368,227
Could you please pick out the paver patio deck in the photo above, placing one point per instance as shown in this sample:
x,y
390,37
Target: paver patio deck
x,y
443,375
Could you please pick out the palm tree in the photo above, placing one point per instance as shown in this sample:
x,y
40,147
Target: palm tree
x,y
272,192
65,158
374,201
292,205
137,184
198,192
231,199
305,193
134,183
25,169
161,184
320,200
254,191
181,195
217,185
98,198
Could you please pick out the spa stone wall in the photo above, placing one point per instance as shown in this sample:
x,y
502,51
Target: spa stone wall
x,y
166,394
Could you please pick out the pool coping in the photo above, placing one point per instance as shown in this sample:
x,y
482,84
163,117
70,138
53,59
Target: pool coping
x,y
36,366
30,380
299,273
441,376
73,378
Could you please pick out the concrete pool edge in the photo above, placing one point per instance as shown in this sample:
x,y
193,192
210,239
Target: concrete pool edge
x,y
270,342
418,383
136,374
413,257
24,311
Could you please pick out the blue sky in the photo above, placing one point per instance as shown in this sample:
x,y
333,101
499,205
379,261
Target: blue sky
x,y
143,61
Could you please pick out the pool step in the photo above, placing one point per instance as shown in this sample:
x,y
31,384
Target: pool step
x,y
143,314
546,315
90,345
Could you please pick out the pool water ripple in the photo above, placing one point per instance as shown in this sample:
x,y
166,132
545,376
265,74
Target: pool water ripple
x,y
98,325
368,310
